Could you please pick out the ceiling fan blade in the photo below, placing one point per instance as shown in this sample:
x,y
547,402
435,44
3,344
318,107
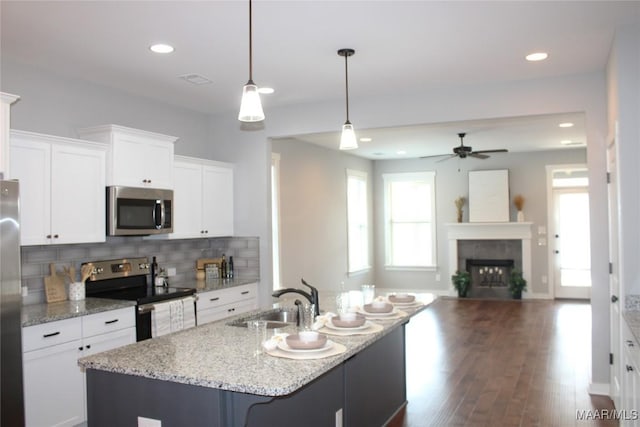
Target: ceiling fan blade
x,y
478,155
500,150
435,155
450,156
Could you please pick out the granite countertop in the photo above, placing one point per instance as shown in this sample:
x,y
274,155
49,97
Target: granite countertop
x,y
36,314
217,355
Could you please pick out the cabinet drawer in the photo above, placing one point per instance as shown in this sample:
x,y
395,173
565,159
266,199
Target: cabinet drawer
x,y
222,297
108,321
52,333
219,313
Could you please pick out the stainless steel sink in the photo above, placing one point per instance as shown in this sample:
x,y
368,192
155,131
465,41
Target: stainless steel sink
x,y
278,318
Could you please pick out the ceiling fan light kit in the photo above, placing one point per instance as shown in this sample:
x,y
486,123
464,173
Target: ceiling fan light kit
x,y
250,106
348,140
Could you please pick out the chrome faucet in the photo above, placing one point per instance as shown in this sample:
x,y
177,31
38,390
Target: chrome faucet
x,y
311,296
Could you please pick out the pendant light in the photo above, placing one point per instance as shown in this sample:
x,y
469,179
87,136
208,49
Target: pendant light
x,y
348,137
250,106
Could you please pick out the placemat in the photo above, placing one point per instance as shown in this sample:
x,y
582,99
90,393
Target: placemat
x,y
333,351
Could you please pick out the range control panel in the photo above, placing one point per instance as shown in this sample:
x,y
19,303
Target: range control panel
x,y
116,268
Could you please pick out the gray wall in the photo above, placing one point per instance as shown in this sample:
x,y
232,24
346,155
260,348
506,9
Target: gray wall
x,y
313,221
527,176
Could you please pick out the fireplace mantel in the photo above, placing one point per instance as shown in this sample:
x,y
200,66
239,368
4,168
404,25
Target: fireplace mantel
x,y
491,231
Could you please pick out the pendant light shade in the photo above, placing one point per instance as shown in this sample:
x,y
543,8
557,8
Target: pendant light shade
x,y
348,139
250,106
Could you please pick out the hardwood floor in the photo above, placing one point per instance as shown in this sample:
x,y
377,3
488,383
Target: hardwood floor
x,y
501,363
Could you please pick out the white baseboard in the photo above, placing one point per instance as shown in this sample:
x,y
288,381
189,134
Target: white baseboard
x,y
600,389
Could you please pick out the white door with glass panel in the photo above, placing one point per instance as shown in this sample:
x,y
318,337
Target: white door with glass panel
x,y
571,243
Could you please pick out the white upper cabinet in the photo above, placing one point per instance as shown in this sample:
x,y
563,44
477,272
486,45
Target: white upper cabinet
x,y
62,188
203,198
136,158
6,99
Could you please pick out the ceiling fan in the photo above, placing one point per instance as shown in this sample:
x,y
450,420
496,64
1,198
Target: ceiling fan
x,y
463,151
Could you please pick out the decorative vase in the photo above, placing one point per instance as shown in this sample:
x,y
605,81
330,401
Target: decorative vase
x,y
520,216
460,215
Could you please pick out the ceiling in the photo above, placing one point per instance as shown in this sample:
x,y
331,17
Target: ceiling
x,y
424,45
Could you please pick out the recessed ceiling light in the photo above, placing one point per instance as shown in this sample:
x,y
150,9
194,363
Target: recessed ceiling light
x,y
537,56
566,125
401,152
266,90
161,48
365,139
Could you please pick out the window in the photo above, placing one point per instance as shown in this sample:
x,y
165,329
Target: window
x,y
275,218
357,221
410,220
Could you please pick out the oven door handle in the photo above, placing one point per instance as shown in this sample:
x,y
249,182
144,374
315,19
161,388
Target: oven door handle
x,y
158,210
145,308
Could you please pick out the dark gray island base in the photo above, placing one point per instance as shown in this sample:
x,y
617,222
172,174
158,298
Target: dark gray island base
x,y
367,389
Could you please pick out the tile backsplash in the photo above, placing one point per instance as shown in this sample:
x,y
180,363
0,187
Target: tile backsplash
x,y
178,254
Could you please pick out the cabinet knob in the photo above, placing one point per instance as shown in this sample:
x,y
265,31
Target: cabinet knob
x,y
629,368
614,298
629,343
48,236
80,348
55,236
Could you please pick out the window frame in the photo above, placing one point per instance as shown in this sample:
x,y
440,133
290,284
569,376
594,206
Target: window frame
x,y
423,176
366,266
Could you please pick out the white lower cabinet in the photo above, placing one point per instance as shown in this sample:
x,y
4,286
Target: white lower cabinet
x,y
219,304
630,399
54,384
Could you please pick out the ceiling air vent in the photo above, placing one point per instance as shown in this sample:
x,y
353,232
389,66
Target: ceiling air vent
x,y
195,79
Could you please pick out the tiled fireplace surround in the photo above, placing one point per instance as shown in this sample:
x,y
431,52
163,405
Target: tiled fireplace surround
x,y
179,254
490,241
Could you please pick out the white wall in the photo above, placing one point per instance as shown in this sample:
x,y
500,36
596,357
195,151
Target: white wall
x,y
313,209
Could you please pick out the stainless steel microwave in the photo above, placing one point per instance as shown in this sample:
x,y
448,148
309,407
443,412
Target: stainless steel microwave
x,y
135,211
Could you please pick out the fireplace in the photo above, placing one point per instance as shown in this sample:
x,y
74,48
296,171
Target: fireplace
x,y
489,277
489,252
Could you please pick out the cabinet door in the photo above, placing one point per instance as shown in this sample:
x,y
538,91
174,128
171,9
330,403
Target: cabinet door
x,y
141,162
187,199
53,386
217,200
109,341
31,165
77,194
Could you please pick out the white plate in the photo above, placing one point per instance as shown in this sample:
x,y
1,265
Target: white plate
x,y
407,304
284,347
367,324
389,314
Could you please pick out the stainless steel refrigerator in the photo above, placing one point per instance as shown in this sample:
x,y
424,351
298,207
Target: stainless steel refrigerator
x,y
11,393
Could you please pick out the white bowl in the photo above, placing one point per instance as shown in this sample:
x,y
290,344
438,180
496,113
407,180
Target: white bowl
x,y
348,317
378,304
307,336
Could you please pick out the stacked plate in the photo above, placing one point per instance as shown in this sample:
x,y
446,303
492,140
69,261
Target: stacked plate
x,y
305,342
403,300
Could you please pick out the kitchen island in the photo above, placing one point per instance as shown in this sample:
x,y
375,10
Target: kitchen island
x,y
208,376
